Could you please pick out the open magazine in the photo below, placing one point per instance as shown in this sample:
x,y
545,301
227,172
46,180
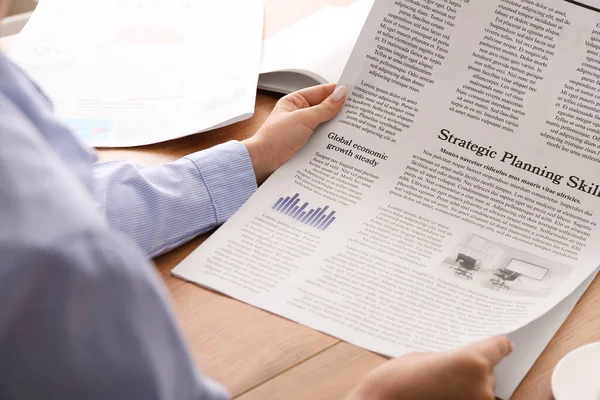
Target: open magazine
x,y
455,196
312,51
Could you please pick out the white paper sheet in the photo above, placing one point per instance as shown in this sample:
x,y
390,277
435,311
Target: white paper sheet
x,y
132,72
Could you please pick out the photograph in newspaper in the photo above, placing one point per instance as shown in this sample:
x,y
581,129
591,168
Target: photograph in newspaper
x,y
495,266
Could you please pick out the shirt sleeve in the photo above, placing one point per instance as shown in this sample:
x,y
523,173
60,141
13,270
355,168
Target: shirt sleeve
x,y
82,312
161,207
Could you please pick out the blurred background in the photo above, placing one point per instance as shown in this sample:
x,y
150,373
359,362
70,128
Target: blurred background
x,y
18,14
21,6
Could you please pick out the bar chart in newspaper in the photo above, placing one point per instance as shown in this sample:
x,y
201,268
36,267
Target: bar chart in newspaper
x,y
318,217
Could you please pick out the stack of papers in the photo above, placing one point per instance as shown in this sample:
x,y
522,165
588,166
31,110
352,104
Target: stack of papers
x,y
128,72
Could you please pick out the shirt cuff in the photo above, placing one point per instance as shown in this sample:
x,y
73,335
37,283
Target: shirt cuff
x,y
228,175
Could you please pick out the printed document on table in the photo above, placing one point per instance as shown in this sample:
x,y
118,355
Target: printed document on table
x,y
128,72
455,197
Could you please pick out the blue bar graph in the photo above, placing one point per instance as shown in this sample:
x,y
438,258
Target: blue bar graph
x,y
317,218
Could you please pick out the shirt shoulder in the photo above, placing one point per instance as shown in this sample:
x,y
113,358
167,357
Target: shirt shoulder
x,y
28,103
41,197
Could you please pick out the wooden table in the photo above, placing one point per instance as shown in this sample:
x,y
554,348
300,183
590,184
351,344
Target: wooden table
x,y
260,356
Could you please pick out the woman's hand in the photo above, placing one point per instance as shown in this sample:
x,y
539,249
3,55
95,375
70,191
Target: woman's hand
x,y
290,125
464,374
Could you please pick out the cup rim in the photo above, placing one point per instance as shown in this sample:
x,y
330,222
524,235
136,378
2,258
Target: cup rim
x,y
566,358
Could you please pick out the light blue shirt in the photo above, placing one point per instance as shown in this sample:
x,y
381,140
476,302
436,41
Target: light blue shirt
x,y
83,313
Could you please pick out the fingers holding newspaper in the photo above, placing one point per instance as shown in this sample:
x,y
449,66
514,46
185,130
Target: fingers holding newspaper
x,y
290,125
463,374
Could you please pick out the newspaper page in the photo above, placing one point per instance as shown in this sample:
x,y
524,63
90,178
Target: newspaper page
x,y
454,197
133,72
531,341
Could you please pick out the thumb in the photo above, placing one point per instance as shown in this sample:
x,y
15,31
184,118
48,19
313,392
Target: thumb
x,y
324,111
493,349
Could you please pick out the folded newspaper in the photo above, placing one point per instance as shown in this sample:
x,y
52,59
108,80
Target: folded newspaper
x,y
456,196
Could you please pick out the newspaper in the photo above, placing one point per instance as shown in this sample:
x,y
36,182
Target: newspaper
x,y
454,197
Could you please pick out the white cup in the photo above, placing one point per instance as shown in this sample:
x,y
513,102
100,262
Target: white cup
x,y
577,375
